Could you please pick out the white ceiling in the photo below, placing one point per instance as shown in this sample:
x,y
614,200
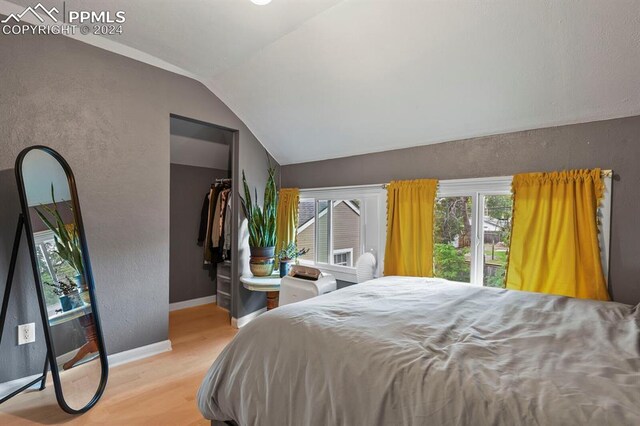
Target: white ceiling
x,y
316,79
40,171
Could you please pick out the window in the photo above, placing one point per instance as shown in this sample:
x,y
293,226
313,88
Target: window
x,y
496,227
452,238
343,257
331,230
471,230
472,227
338,224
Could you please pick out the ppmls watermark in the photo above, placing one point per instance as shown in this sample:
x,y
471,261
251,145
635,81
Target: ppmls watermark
x,y
67,22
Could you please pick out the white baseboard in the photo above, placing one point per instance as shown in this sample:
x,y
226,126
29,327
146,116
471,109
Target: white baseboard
x,y
241,322
137,354
115,360
191,303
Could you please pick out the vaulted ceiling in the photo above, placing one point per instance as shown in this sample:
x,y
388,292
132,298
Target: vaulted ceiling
x,y
317,79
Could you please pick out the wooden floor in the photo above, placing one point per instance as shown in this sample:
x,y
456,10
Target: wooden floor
x,y
155,391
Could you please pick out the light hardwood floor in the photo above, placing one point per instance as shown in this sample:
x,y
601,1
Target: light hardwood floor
x,y
160,390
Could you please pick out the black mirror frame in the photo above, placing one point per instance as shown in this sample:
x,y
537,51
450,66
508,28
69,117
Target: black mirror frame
x,y
55,373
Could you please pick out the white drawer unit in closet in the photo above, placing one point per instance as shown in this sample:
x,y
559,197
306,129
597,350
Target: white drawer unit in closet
x,y
223,301
224,285
223,277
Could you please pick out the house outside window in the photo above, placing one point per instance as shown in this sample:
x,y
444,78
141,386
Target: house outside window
x,y
331,230
338,224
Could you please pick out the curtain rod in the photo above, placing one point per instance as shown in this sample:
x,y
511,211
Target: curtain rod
x,y
603,173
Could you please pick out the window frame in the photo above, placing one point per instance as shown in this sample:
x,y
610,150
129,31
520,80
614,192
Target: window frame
x,y
372,224
373,219
479,188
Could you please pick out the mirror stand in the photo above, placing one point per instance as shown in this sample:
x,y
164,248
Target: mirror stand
x,y
5,306
65,289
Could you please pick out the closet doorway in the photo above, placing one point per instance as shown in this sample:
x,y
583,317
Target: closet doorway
x,y
201,228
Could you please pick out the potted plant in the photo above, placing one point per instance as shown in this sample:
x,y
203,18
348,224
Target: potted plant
x,y
262,225
287,255
67,241
68,294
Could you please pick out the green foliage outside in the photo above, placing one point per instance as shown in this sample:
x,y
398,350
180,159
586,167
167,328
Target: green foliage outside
x,y
452,238
496,280
452,219
500,207
450,263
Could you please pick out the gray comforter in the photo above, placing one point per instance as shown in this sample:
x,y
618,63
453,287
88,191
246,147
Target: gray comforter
x,y
410,351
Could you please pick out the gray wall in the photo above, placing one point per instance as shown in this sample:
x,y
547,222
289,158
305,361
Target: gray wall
x,y
189,278
109,117
611,144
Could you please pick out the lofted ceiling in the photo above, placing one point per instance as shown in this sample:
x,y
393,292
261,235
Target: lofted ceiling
x,y
318,79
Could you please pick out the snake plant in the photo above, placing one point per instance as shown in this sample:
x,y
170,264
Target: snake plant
x,y
261,220
65,237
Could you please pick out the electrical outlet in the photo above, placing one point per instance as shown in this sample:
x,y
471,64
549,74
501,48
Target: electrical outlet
x,y
26,333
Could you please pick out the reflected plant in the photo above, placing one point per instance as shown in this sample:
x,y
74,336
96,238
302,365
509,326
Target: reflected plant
x,y
65,236
63,288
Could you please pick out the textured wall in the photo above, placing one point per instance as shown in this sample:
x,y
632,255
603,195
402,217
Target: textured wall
x,y
611,144
109,117
189,278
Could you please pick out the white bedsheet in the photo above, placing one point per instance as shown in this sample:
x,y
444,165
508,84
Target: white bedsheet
x,y
411,351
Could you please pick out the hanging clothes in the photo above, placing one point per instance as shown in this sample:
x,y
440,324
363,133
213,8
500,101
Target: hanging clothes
x,y
219,225
212,221
204,219
215,232
226,246
213,198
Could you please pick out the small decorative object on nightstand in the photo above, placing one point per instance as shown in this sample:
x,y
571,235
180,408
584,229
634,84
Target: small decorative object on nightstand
x,y
288,255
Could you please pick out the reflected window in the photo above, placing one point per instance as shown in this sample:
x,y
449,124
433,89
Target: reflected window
x,y
53,270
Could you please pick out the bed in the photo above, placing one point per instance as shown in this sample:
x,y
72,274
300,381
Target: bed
x,y
415,351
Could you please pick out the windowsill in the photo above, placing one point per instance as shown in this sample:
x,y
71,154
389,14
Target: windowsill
x,y
465,283
341,273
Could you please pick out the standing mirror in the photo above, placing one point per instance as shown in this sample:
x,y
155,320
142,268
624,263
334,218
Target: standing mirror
x,y
62,270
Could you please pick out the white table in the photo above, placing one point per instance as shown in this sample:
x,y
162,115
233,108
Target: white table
x,y
270,285
85,315
69,315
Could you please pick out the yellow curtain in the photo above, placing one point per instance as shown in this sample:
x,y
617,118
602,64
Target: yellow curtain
x,y
554,238
409,248
287,217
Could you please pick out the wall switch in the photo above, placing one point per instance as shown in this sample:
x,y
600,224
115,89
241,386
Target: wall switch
x,y
26,333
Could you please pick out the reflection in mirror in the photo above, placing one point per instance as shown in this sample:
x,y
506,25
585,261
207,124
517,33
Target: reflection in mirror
x,y
62,269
